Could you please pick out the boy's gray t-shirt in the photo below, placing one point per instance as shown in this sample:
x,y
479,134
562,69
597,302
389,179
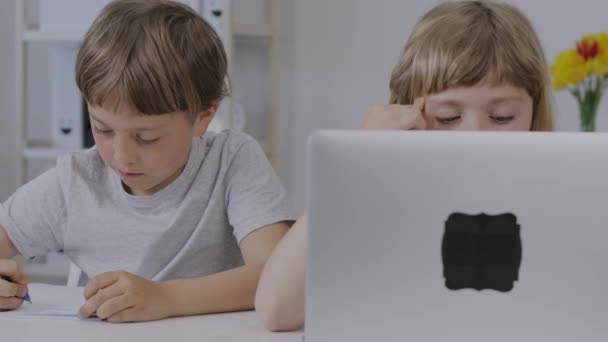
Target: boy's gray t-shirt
x,y
190,228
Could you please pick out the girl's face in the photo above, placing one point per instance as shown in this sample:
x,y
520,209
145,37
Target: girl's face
x,y
483,107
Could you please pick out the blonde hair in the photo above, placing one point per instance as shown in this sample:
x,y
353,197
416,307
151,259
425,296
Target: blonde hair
x,y
158,55
460,43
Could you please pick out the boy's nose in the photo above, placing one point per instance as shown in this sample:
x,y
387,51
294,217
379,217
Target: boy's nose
x,y
125,151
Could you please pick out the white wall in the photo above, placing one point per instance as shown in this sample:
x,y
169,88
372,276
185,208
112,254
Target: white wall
x,y
39,76
345,50
8,134
559,25
336,60
286,92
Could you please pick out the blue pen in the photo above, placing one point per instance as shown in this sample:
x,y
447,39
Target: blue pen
x,y
27,295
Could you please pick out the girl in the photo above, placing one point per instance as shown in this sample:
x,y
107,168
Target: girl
x,y
467,65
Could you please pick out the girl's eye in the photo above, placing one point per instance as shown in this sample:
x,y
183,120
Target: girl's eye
x,y
503,119
448,120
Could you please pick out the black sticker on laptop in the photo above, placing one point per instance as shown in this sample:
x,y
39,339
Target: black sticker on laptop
x,y
481,252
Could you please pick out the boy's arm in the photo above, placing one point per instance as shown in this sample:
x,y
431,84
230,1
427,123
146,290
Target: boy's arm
x,y
232,290
120,296
279,301
32,220
7,249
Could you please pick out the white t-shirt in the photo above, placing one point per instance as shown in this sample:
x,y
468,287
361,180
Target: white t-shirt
x,y
190,228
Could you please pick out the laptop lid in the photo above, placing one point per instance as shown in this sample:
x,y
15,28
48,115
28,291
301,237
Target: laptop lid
x,y
463,236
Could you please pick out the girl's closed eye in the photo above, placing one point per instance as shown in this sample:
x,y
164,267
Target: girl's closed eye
x,y
502,119
447,119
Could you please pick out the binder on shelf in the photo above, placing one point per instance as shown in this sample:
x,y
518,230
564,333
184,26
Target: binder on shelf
x,y
66,101
87,130
214,11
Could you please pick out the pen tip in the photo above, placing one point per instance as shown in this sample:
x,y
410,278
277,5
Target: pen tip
x,y
27,298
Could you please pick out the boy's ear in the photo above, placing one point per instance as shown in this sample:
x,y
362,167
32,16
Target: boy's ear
x,y
204,118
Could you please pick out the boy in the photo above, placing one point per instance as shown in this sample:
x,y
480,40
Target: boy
x,y
165,219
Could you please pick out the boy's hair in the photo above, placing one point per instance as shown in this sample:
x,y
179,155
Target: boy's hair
x,y
460,43
159,56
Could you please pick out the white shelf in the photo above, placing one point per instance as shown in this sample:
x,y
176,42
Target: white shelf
x,y
53,37
267,148
45,153
46,274
74,37
252,30
52,269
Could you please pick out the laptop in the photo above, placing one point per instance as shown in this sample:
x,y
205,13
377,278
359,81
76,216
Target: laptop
x,y
457,236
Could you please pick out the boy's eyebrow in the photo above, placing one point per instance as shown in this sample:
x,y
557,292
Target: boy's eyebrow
x,y
138,129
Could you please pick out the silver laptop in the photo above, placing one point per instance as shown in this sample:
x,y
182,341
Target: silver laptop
x,y
457,236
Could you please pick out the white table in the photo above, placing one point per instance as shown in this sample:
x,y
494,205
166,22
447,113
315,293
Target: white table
x,y
240,326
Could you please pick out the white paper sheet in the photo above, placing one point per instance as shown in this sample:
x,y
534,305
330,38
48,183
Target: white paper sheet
x,y
50,301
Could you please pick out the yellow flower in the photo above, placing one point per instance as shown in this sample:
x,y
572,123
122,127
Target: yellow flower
x,y
594,49
590,57
584,70
568,69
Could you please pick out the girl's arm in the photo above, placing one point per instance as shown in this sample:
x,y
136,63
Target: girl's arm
x,y
279,300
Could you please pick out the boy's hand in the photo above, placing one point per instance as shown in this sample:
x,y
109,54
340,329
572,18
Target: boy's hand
x,y
397,117
124,297
11,292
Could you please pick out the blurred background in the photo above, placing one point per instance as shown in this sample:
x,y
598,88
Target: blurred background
x,y
296,66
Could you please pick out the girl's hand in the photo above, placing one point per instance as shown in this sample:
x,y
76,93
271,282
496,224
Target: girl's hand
x,y
397,117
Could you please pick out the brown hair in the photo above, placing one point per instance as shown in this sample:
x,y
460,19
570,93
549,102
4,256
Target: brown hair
x,y
158,55
460,43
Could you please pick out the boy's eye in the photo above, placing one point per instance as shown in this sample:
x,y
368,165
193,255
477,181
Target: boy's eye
x,y
448,120
102,131
503,119
147,141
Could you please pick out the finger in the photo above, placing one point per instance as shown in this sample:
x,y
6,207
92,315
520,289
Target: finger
x,y
100,281
23,280
131,314
10,303
419,103
11,269
102,296
124,316
114,306
420,123
368,119
10,289
421,120
411,120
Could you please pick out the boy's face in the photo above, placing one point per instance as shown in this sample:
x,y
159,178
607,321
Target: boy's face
x,y
147,151
483,107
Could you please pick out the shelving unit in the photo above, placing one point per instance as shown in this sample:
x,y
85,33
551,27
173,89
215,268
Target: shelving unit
x,y
246,41
253,30
52,37
264,33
